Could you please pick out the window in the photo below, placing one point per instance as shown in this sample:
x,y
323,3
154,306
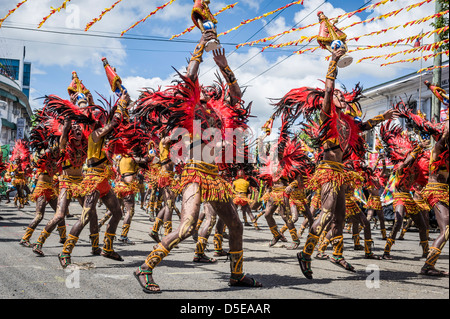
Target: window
x,y
26,92
3,105
26,74
10,68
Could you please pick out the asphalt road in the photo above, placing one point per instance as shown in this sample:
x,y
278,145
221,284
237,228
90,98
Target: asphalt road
x,y
24,275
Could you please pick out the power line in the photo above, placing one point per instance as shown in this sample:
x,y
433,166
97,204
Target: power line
x,y
109,35
279,62
260,29
282,35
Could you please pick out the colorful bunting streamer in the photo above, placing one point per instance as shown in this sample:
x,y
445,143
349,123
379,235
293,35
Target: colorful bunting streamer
x,y
95,20
427,47
347,15
11,12
53,11
433,68
260,17
426,57
306,50
390,14
148,16
436,15
406,40
231,6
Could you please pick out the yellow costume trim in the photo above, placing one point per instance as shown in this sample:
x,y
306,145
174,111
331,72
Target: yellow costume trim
x,y
212,186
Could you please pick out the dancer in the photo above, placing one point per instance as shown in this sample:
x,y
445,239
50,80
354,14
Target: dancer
x,y
436,191
286,177
95,184
164,184
129,143
436,194
200,181
241,187
46,149
18,170
354,181
375,181
410,165
72,148
339,133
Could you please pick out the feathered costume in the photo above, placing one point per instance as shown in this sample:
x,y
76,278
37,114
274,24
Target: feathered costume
x,y
292,161
342,128
180,106
131,141
433,192
20,163
44,138
398,147
74,155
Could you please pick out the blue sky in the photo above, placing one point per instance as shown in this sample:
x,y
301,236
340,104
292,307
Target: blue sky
x,y
62,46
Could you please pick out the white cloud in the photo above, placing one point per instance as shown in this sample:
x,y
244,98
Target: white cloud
x,y
296,71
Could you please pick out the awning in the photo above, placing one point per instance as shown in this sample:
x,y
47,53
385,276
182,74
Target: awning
x,y
9,124
8,95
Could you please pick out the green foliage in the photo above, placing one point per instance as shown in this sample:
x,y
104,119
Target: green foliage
x,y
442,22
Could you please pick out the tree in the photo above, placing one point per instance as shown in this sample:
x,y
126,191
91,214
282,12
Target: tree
x,y
442,22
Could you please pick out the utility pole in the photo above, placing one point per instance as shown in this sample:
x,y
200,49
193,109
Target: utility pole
x,y
437,73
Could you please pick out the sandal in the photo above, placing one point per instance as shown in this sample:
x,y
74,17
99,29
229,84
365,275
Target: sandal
x,y
25,243
126,240
220,253
341,262
244,281
305,265
111,255
433,272
276,239
387,256
372,256
204,259
322,256
65,260
37,249
294,246
96,251
148,283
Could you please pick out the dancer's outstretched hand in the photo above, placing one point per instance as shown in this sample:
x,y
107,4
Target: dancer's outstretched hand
x,y
391,114
219,58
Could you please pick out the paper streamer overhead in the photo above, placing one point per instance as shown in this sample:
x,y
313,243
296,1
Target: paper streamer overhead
x,y
148,16
53,11
95,20
260,17
345,15
11,12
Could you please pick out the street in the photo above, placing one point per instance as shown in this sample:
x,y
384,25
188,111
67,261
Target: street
x,y
25,275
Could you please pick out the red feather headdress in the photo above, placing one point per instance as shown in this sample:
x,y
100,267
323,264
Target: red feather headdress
x,y
21,152
397,145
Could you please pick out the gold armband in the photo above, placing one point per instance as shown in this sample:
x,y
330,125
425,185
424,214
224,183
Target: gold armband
x,y
198,53
332,71
377,119
416,151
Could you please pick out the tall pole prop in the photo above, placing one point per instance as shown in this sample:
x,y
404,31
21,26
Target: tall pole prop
x,y
437,72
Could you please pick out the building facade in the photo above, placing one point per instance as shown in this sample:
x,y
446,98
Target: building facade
x,y
15,110
378,99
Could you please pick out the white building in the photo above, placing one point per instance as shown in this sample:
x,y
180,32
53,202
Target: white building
x,y
15,110
382,97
